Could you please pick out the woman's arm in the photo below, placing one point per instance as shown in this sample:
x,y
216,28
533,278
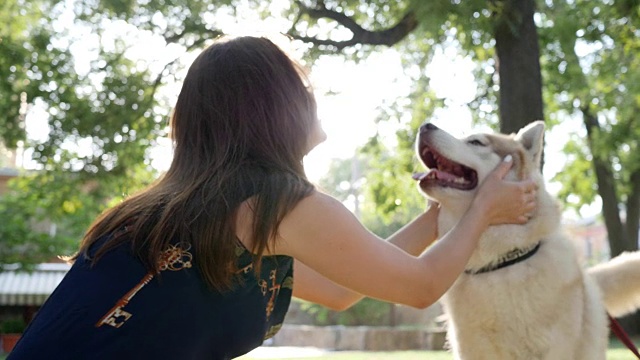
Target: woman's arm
x,y
413,238
324,236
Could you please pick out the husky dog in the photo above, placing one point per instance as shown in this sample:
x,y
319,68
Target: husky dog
x,y
524,294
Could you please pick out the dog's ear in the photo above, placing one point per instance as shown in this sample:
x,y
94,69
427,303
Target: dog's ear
x,y
532,138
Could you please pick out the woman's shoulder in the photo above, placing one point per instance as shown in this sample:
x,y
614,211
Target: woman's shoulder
x,y
311,205
320,200
314,217
317,209
313,214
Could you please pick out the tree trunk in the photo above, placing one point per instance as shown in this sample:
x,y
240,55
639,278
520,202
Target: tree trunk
x,y
633,210
617,234
631,323
518,66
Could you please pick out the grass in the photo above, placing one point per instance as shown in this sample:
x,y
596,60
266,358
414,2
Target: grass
x,y
616,351
367,355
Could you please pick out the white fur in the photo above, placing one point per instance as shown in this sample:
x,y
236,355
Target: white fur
x,y
546,307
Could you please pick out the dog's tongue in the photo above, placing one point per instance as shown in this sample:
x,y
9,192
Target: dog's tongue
x,y
419,176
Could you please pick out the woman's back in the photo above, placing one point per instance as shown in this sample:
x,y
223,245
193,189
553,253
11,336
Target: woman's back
x,y
118,310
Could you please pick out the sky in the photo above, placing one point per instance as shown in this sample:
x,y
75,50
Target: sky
x,y
347,114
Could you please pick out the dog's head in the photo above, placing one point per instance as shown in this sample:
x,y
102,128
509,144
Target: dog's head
x,y
457,167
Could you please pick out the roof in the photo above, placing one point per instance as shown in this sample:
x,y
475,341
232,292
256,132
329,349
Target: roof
x,y
19,287
9,172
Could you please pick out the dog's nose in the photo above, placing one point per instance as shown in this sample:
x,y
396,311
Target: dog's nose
x,y
428,126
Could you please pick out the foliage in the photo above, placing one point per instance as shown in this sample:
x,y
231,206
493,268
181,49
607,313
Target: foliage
x,y
25,63
468,27
592,74
105,100
367,311
588,65
388,197
345,177
374,170
115,100
12,326
20,243
47,212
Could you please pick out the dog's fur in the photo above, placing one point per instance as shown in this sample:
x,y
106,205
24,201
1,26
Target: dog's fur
x,y
545,307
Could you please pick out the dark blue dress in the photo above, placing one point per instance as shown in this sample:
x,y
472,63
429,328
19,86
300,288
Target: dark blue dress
x,y
117,310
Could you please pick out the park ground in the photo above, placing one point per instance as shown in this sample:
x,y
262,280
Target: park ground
x,y
617,351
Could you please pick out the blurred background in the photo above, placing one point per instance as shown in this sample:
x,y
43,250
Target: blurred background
x,y
86,90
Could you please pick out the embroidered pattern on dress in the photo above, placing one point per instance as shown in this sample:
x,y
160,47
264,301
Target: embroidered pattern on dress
x,y
268,287
246,269
174,258
274,289
287,283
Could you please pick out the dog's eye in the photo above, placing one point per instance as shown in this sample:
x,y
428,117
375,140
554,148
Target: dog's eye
x,y
475,142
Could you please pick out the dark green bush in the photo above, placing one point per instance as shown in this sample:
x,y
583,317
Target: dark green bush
x,y
12,326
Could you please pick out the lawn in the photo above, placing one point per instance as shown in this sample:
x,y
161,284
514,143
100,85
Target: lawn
x,y
617,351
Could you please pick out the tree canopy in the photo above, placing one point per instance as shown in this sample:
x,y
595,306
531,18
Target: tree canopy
x,y
582,51
78,62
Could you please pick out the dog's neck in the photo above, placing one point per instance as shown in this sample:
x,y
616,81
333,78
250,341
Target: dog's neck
x,y
511,258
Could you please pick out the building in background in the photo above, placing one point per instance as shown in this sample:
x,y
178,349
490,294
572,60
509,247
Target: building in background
x,y
8,168
589,235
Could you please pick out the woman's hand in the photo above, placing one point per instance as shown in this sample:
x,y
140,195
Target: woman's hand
x,y
500,201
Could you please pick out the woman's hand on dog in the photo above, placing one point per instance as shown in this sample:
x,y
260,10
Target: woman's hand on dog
x,y
502,201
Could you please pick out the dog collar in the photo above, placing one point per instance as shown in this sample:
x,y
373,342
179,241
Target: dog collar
x,y
512,257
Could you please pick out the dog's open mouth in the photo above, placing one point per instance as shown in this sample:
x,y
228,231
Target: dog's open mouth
x,y
444,172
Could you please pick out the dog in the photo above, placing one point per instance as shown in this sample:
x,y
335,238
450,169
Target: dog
x,y
524,293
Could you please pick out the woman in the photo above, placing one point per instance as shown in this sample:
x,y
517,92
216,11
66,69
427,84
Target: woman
x,y
200,265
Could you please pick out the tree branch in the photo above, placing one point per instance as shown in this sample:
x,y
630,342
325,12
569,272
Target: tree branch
x,y
175,37
386,37
485,93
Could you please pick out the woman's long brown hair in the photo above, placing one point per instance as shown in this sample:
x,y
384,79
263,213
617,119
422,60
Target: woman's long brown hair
x,y
240,129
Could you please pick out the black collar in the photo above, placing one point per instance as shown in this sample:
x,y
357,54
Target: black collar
x,y
512,257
